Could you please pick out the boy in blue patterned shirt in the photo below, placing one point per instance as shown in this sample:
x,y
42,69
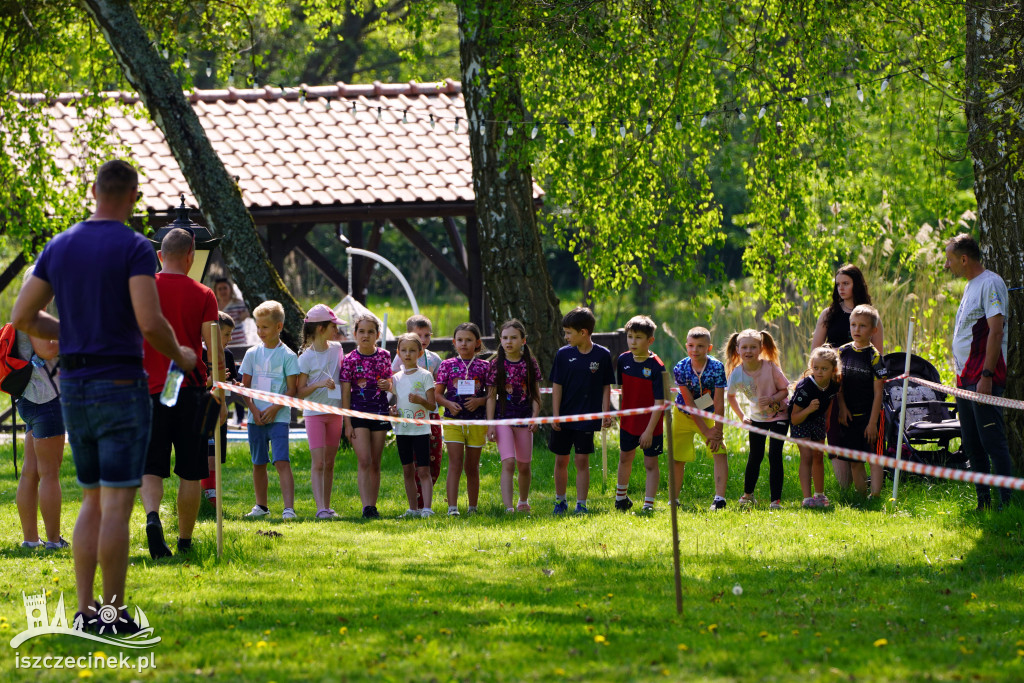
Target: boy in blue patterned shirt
x,y
702,384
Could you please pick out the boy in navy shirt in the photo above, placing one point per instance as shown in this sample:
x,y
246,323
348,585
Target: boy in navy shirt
x,y
581,382
641,375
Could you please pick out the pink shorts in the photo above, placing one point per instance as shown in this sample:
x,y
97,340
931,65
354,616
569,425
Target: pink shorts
x,y
324,431
514,442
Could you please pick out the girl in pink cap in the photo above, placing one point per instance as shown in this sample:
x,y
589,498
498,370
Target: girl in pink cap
x,y
319,360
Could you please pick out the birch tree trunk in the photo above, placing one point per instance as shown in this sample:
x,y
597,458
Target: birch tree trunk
x,y
514,271
995,139
216,192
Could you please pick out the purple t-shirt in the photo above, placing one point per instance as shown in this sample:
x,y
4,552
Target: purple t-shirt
x,y
88,267
455,369
363,372
513,400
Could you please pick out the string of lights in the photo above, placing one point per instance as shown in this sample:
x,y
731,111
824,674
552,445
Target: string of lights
x,y
622,124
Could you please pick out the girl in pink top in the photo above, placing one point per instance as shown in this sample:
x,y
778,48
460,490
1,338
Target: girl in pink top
x,y
365,379
752,361
513,391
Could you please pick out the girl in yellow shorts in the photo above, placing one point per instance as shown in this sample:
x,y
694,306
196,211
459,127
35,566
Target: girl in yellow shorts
x,y
461,390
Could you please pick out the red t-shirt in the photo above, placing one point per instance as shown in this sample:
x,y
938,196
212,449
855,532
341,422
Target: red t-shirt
x,y
186,304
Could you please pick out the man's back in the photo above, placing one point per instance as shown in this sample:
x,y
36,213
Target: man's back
x,y
186,304
88,267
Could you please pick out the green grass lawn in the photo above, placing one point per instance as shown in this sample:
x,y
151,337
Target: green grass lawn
x,y
927,590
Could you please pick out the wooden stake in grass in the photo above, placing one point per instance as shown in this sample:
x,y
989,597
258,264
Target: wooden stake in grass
x,y
674,508
214,354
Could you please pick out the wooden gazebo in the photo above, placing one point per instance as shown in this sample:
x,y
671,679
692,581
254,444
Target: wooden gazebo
x,y
353,157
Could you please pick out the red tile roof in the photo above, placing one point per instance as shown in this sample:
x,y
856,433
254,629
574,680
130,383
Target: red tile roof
x,y
288,150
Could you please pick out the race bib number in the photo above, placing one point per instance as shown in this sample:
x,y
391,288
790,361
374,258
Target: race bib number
x,y
335,392
466,387
261,383
704,402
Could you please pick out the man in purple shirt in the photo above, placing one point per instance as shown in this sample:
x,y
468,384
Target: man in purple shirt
x,y
101,274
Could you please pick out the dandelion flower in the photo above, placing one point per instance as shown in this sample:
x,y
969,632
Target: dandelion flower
x,y
881,642
559,671
683,647
712,627
85,673
445,631
267,632
974,596
261,643
796,632
600,639
1020,653
100,654
343,630
737,589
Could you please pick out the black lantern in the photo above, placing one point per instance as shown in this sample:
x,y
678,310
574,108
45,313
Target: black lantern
x,y
205,241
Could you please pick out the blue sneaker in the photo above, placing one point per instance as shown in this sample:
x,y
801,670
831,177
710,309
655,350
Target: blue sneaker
x,y
561,507
581,509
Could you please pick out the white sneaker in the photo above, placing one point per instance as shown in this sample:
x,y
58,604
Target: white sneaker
x,y
257,511
288,514
209,493
426,512
411,513
32,544
453,512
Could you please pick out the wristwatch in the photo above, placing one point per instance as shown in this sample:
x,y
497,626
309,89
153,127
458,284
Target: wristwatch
x,y
987,373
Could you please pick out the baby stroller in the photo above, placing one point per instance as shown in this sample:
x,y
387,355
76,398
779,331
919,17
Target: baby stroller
x,y
931,424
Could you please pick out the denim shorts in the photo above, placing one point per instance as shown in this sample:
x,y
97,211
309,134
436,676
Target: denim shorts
x,y
264,439
43,420
108,428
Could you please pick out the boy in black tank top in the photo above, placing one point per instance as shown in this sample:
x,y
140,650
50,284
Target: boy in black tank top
x,y
860,398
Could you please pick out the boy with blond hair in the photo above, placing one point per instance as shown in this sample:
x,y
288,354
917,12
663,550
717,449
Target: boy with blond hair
x,y
270,366
702,383
860,396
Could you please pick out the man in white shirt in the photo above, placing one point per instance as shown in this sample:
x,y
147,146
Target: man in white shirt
x,y
979,358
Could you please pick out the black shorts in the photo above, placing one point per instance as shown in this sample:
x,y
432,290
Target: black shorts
x,y
372,425
852,436
414,447
629,442
176,427
211,450
563,442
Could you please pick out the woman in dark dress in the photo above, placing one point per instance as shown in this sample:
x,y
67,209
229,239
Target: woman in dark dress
x,y
833,328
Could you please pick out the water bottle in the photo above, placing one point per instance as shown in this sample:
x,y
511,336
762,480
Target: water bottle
x,y
175,376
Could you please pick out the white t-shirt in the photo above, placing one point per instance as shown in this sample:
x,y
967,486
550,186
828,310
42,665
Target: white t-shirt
x,y
270,370
418,382
984,297
317,365
767,381
429,361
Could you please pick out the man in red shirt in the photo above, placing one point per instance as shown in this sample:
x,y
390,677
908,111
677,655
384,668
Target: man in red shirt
x,y
191,308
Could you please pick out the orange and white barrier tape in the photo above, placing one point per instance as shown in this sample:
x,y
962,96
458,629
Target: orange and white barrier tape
x,y
291,402
885,461
971,395
982,478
